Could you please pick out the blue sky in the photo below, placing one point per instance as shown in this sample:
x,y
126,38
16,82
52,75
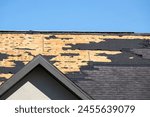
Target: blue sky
x,y
76,15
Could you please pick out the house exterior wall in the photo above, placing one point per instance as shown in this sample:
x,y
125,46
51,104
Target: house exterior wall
x,y
28,92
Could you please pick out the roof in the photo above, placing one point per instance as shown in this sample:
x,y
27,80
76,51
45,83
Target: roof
x,y
39,60
106,65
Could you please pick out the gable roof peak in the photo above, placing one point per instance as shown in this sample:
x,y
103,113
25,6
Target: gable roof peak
x,y
58,75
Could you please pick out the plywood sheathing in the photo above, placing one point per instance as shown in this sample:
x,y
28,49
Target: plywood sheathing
x,y
23,47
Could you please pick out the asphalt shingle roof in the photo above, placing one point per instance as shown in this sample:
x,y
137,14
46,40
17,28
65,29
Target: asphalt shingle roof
x,y
105,65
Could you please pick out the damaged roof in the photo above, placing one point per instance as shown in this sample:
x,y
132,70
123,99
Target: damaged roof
x,y
106,65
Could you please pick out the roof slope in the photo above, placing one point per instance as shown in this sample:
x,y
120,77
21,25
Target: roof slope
x,y
105,64
114,82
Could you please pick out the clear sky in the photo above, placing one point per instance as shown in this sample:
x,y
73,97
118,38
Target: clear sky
x,y
76,15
